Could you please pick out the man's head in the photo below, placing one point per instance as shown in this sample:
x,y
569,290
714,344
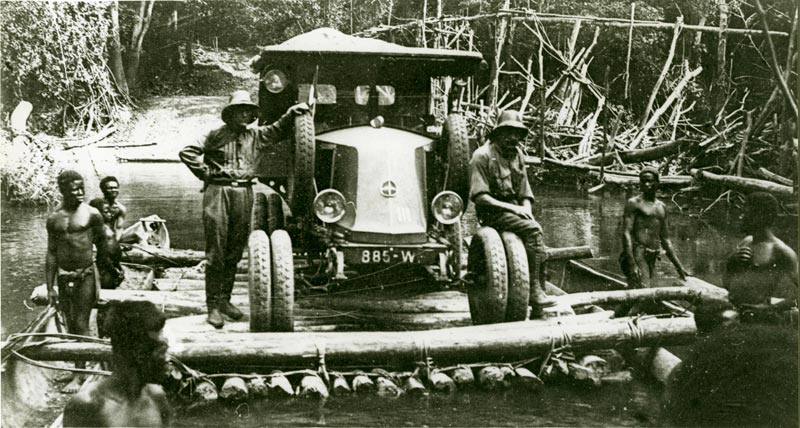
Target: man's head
x,y
70,184
110,187
136,332
648,179
105,209
240,111
760,211
508,133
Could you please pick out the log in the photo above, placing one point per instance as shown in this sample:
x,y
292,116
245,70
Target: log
x,y
569,253
491,378
442,382
771,176
257,387
153,256
387,388
312,386
463,377
183,284
362,384
205,392
667,180
279,386
234,390
641,155
743,184
601,298
526,379
339,385
414,387
444,301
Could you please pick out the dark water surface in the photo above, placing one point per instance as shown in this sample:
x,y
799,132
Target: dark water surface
x,y
569,218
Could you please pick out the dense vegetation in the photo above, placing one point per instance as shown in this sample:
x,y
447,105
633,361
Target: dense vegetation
x,y
84,64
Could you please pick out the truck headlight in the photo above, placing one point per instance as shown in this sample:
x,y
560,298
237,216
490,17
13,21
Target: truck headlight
x,y
329,206
447,207
275,81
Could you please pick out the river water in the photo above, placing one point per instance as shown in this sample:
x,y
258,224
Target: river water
x,y
568,218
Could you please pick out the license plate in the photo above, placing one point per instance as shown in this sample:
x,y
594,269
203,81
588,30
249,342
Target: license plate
x,y
389,255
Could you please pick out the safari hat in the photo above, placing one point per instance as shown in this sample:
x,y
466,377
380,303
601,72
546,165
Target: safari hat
x,y
238,98
509,119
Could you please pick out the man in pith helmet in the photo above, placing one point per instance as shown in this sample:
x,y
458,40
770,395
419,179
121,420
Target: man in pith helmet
x,y
503,197
225,159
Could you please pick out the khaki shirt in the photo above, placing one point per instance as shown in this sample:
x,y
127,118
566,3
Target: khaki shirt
x,y
504,179
227,154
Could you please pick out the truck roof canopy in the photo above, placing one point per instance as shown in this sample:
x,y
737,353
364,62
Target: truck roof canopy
x,y
327,45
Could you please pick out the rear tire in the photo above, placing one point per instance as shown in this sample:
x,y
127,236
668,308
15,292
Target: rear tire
x,y
456,137
519,285
488,293
301,184
259,282
282,282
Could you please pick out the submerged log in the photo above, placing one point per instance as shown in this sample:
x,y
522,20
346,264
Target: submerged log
x,y
155,256
442,382
312,386
205,392
257,387
491,378
279,386
414,387
601,298
453,345
387,388
339,385
463,377
744,184
362,384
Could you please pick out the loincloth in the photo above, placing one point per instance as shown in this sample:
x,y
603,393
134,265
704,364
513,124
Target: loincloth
x,y
70,280
650,256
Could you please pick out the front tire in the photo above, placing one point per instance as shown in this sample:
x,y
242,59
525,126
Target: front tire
x,y
301,184
259,282
455,236
488,293
282,282
456,137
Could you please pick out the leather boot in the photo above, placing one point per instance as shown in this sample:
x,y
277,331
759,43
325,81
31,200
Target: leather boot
x,y
538,296
231,311
215,318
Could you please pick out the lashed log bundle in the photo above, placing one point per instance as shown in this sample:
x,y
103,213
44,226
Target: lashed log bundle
x,y
744,184
457,345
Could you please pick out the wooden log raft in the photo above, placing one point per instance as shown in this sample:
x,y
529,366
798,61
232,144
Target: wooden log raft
x,y
456,345
744,184
630,295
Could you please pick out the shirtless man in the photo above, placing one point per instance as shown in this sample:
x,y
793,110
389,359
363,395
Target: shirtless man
x,y
110,187
71,231
761,260
108,265
645,231
131,396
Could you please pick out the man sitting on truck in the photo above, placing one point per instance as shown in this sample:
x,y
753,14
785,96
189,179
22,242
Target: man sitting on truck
x,y
503,197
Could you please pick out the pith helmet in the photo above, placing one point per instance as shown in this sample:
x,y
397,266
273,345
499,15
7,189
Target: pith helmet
x,y
509,119
238,98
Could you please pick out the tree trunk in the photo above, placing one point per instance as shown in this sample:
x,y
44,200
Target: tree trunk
x,y
744,184
636,295
134,52
721,81
456,345
499,42
117,67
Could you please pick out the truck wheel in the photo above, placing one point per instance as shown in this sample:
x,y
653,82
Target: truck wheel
x,y
267,213
458,155
488,292
301,183
454,235
519,285
282,282
259,281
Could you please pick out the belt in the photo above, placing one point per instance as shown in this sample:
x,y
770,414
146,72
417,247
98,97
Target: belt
x,y
232,183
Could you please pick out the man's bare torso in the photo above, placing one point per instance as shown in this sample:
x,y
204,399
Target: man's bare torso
x,y
72,233
647,222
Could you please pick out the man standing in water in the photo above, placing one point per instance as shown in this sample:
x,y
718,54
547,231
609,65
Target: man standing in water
x,y
645,231
760,262
131,396
71,231
110,187
503,197
225,160
108,265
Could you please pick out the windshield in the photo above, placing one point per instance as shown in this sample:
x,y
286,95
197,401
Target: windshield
x,y
340,105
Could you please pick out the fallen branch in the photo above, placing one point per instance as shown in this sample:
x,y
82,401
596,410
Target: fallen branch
x,y
641,155
771,176
743,184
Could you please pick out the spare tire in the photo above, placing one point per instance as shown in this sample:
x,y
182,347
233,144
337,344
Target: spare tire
x,y
300,190
456,155
519,288
260,282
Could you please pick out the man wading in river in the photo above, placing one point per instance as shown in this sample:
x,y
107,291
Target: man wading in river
x,y
131,396
110,187
228,169
108,266
71,231
503,197
645,231
760,263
